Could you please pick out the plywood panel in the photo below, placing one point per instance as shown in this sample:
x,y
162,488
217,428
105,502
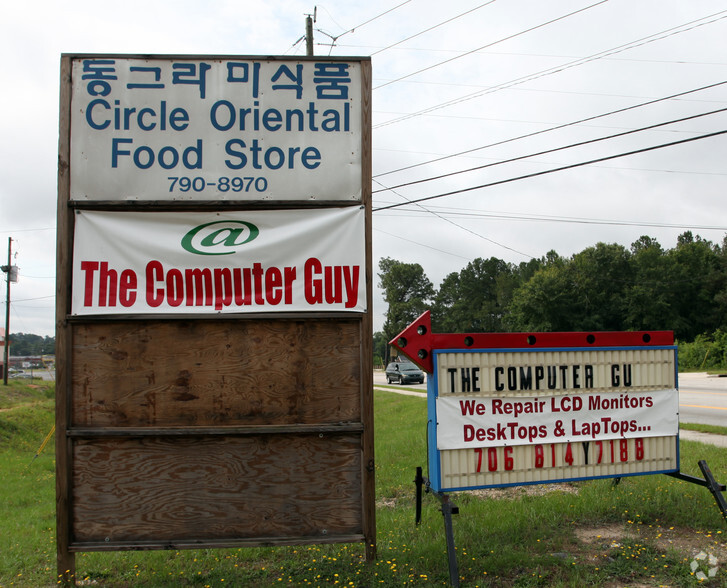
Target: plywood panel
x,y
216,373
216,488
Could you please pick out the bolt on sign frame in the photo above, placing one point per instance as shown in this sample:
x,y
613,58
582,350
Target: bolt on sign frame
x,y
214,376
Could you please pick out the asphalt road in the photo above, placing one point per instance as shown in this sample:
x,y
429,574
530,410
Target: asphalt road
x,y
34,374
703,399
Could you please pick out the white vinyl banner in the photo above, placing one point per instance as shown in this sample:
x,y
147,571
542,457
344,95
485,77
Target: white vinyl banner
x,y
219,262
493,422
216,129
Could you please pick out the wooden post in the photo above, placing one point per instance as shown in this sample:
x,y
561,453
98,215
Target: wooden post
x,y
66,560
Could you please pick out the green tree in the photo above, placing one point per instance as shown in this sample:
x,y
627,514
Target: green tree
x,y
407,292
600,275
380,346
720,297
648,299
582,293
28,344
444,315
695,284
544,302
475,300
527,269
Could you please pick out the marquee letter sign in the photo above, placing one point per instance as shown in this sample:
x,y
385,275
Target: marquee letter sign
x,y
525,408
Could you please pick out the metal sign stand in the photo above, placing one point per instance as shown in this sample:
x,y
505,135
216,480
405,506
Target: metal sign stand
x,y
448,509
419,343
709,482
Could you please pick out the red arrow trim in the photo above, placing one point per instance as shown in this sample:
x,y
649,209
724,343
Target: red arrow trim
x,y
418,342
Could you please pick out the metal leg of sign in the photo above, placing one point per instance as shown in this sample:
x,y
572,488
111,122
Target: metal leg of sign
x,y
419,482
709,482
715,488
448,509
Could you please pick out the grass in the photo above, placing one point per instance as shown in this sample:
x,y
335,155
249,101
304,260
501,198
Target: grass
x,y
395,387
715,430
645,531
27,491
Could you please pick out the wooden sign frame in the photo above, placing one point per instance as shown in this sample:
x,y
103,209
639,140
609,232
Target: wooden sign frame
x,y
192,431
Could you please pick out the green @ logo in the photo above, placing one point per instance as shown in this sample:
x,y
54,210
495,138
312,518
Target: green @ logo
x,y
219,237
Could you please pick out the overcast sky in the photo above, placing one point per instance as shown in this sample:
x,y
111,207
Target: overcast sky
x,y
457,85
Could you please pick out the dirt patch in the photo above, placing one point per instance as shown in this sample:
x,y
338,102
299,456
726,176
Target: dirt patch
x,y
605,534
386,503
687,542
597,544
515,492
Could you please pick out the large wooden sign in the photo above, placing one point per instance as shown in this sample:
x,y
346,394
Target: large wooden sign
x,y
526,408
213,303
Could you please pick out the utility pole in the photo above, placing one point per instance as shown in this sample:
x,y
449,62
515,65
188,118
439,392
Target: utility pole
x,y
12,276
309,20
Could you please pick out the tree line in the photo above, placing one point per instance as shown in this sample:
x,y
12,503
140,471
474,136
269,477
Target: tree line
x,y
25,344
606,287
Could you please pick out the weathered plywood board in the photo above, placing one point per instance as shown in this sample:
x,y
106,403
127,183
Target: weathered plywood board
x,y
216,488
216,373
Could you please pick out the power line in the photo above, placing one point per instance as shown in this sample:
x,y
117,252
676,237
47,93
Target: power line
x,y
550,171
30,299
555,128
632,45
564,219
629,168
376,17
421,244
28,230
432,28
555,149
509,37
521,54
351,30
450,221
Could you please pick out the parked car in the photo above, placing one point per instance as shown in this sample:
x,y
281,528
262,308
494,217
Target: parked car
x,y
404,372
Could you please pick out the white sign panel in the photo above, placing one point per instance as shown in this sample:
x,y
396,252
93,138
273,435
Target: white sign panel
x,y
492,422
231,262
215,129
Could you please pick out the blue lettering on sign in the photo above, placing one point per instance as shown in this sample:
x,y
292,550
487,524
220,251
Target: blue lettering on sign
x,y
243,147
271,157
225,116
167,157
100,113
